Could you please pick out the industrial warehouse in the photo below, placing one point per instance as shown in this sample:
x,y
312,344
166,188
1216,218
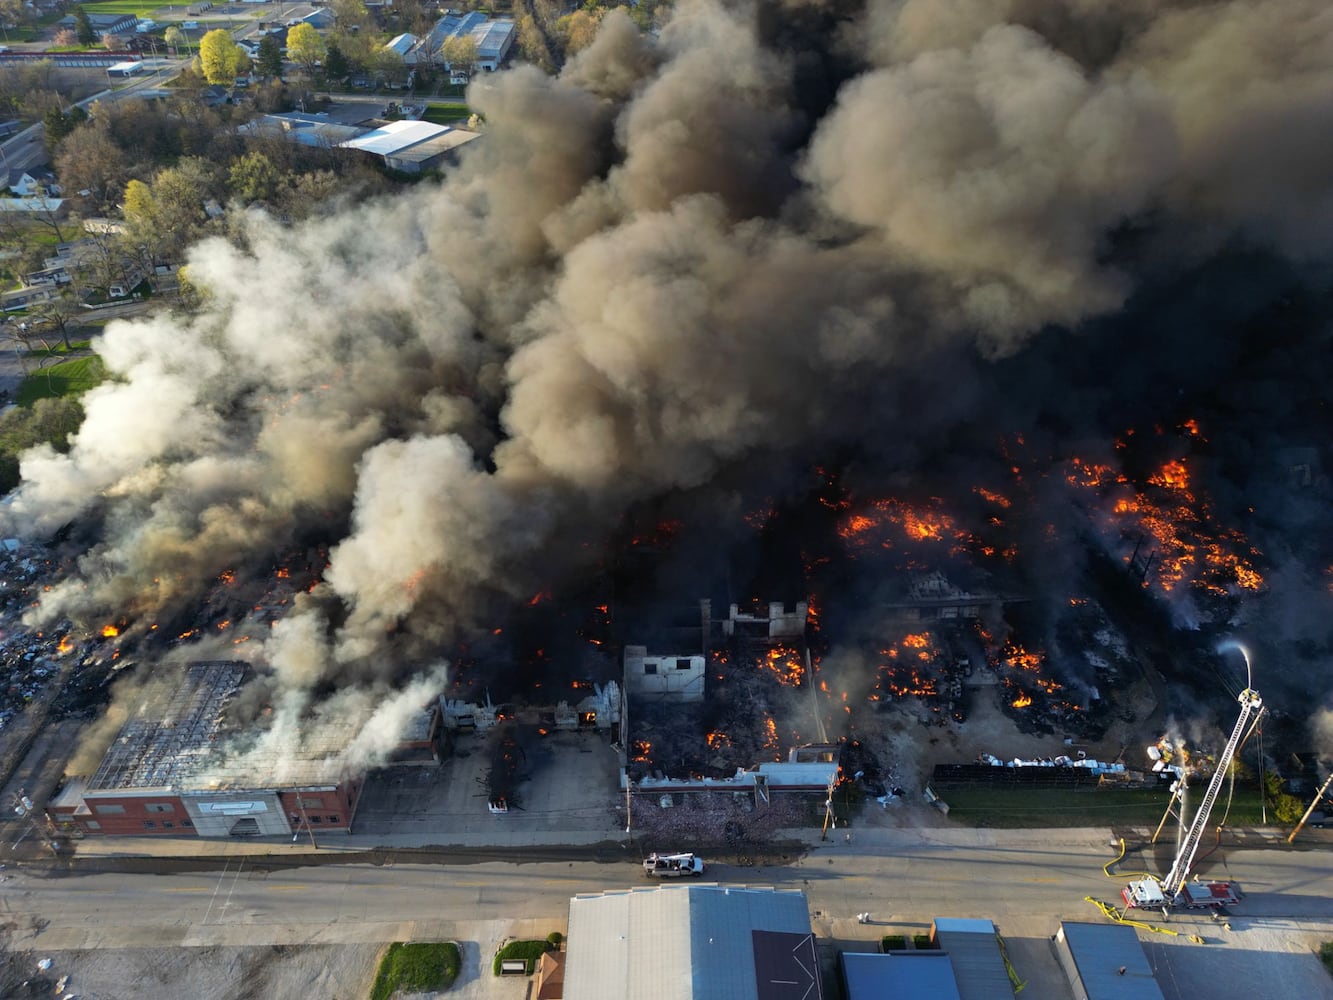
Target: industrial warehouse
x,y
165,774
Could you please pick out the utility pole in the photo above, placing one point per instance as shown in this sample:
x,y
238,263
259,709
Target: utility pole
x,y
1318,797
828,806
300,804
629,814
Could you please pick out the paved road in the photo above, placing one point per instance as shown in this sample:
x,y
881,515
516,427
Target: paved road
x,y
1026,882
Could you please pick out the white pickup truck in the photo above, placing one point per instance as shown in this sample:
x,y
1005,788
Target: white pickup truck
x,y
672,865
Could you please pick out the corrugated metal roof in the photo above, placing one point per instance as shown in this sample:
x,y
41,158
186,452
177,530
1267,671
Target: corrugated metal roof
x,y
395,137
674,942
1100,952
925,976
975,955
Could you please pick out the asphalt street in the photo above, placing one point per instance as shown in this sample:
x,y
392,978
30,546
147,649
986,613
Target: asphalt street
x,y
1026,881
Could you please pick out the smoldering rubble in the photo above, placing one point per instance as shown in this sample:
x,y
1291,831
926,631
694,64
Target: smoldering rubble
x,y
766,235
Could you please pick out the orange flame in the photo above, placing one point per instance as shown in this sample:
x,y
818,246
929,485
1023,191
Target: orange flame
x,y
110,631
1022,701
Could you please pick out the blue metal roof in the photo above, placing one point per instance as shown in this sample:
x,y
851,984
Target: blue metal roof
x,y
927,975
1110,962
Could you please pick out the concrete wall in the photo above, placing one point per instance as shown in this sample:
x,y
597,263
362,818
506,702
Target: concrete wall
x,y
671,678
215,814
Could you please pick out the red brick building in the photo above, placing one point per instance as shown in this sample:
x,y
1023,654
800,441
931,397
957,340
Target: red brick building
x,y
166,774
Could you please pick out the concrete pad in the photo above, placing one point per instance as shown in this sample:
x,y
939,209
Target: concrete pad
x,y
568,785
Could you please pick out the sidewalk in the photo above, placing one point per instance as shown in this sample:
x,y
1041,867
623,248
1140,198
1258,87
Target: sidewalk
x,y
1088,841
887,840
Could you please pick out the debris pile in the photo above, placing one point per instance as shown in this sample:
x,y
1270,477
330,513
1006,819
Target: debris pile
x,y
715,819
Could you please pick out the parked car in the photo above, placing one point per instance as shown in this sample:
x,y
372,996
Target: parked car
x,y
672,865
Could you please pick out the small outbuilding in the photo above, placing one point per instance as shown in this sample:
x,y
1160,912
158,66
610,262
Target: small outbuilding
x,y
1105,962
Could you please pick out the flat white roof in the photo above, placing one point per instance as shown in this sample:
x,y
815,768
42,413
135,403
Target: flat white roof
x,y
129,66
395,136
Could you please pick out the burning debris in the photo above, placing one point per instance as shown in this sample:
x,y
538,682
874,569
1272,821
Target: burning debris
x,y
940,324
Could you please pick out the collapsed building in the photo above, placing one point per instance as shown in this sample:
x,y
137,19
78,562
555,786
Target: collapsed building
x,y
166,772
716,720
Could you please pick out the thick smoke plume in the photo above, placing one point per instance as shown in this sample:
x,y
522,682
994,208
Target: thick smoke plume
x,y
770,234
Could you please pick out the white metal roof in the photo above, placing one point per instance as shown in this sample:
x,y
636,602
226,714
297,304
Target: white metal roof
x,y
395,137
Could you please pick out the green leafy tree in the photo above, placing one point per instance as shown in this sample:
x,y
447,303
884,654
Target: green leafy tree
x,y
221,59
83,27
254,178
169,215
58,124
386,64
351,15
336,66
532,43
577,30
269,59
459,53
1287,809
47,421
305,46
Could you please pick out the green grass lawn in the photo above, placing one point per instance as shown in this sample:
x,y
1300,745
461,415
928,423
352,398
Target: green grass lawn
x,y
139,8
416,968
1054,807
530,951
68,378
446,114
58,350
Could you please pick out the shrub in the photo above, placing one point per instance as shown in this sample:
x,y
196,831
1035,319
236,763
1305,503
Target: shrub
x,y
554,939
892,942
921,941
1326,956
416,968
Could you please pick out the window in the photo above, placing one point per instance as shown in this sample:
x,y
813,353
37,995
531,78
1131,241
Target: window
x,y
186,822
296,819
159,807
168,825
315,819
109,810
148,824
309,803
92,824
333,819
650,668
683,664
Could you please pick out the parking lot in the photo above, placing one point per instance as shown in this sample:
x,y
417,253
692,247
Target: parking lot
x,y
565,782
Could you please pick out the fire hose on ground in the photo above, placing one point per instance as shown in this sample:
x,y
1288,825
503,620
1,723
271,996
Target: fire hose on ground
x,y
1112,913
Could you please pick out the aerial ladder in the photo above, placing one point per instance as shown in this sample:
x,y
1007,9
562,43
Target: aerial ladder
x,y
1174,889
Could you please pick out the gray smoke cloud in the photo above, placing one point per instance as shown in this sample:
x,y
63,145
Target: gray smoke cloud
x,y
655,268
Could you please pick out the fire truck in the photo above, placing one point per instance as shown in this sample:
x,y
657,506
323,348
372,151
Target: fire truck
x,y
1176,889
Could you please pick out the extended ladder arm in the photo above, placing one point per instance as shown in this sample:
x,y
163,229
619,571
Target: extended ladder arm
x,y
1250,705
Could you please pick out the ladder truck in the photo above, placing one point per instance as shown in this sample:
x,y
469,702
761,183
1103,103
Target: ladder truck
x,y
1175,889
